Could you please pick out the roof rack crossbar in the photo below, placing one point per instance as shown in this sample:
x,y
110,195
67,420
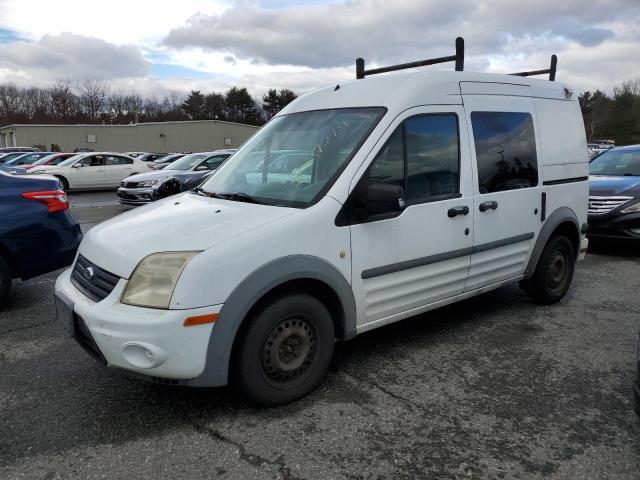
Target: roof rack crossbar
x,y
458,58
551,70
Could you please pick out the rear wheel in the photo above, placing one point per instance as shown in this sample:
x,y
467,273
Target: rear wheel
x,y
5,281
554,272
285,350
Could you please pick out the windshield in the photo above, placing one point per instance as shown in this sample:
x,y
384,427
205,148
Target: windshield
x,y
71,160
10,156
294,157
187,162
616,162
27,158
55,159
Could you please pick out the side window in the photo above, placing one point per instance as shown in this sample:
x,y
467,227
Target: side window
x,y
420,162
92,161
388,166
433,160
113,160
505,151
214,162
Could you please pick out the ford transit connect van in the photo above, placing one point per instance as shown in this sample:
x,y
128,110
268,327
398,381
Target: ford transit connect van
x,y
359,205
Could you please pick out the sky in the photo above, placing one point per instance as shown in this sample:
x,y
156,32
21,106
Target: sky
x,y
154,47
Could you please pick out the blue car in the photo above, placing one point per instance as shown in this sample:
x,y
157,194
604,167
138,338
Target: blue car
x,y
38,234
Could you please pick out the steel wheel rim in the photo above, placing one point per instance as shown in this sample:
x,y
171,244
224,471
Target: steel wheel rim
x,y
557,269
289,349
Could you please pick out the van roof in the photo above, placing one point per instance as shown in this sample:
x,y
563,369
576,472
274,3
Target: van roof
x,y
403,90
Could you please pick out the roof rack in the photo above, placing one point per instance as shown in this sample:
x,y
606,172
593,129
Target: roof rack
x,y
458,58
551,70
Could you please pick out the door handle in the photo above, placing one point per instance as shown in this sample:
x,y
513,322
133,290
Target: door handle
x,y
492,205
455,211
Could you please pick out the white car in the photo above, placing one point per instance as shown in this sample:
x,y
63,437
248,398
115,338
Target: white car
x,y
93,170
416,190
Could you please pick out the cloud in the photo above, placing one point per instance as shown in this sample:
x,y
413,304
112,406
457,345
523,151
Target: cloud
x,y
73,57
334,34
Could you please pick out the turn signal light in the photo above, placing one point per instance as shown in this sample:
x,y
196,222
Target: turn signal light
x,y
54,200
200,320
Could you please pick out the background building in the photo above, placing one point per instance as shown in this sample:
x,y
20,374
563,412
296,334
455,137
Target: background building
x,y
189,136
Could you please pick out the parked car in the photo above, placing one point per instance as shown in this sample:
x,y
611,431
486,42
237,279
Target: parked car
x,y
179,176
614,194
135,154
424,189
52,160
161,163
18,149
93,170
23,162
151,157
7,157
37,233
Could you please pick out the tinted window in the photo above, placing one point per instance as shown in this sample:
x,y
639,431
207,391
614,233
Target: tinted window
x,y
92,161
505,151
432,156
214,162
388,167
113,160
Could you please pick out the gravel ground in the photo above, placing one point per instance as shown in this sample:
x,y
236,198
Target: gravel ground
x,y
492,387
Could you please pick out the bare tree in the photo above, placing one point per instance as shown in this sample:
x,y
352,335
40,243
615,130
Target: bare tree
x,y
93,96
63,102
10,102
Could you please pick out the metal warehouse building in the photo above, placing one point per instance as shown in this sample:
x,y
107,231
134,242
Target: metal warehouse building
x,y
189,136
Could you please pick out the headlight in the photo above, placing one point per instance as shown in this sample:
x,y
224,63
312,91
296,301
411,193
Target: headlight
x,y
635,208
154,279
148,183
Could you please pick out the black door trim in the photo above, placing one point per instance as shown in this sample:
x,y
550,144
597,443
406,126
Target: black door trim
x,y
441,257
565,180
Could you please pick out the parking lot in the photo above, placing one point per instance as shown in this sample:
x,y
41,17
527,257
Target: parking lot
x,y
492,387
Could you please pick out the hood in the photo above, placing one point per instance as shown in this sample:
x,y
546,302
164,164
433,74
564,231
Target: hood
x,y
608,186
42,168
153,175
180,223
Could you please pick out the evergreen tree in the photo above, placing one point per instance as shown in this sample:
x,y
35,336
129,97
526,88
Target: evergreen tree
x,y
214,106
193,106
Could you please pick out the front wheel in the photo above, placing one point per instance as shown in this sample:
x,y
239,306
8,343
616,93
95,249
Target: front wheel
x,y
554,272
285,350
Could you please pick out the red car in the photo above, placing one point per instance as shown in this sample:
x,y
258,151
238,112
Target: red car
x,y
53,159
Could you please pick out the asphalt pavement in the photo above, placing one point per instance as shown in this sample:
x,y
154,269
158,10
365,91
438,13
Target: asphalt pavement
x,y
492,387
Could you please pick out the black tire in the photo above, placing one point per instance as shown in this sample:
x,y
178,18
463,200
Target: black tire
x,y
554,272
285,350
5,281
64,183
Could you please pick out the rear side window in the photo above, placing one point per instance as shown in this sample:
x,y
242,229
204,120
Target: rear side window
x,y
113,160
505,151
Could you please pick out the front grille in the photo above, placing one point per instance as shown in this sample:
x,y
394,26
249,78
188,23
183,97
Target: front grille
x,y
600,205
129,184
92,280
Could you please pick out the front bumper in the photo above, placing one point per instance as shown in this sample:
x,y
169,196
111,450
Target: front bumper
x,y
146,341
615,225
136,196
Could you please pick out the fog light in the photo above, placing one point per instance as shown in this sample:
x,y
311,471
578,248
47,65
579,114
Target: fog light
x,y
143,355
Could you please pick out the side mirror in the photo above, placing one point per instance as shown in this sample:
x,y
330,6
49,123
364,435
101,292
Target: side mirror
x,y
201,168
76,165
384,198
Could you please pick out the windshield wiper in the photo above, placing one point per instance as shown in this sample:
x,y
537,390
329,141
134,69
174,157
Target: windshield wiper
x,y
205,193
240,197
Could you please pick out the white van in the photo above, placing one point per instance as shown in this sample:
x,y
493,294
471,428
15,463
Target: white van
x,y
358,205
